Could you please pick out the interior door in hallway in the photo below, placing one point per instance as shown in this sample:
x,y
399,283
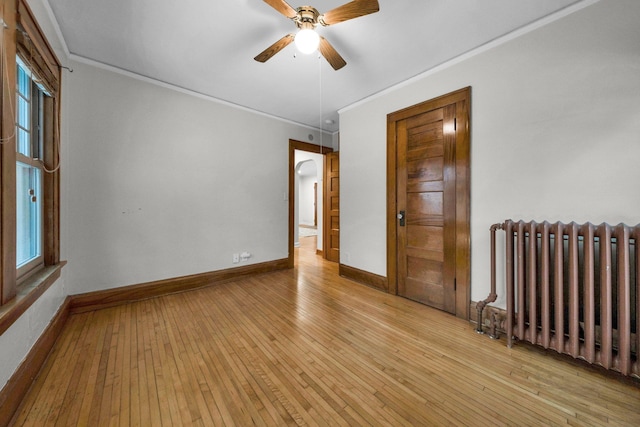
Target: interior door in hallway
x,y
431,180
332,203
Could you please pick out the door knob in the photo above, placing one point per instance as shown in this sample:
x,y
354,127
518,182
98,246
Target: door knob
x,y
401,218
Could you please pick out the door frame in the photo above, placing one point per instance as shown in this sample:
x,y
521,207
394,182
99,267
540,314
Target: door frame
x,y
462,99
311,148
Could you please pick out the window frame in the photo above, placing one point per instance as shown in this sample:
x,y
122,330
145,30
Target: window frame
x,y
37,145
22,36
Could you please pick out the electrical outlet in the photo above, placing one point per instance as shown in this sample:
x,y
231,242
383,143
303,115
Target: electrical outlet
x,y
236,258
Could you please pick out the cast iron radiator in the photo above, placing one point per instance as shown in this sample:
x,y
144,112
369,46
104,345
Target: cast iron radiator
x,y
574,288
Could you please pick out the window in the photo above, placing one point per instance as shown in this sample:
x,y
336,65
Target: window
x,y
29,170
29,163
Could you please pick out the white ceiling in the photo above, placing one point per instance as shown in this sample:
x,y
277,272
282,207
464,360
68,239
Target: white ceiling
x,y
208,46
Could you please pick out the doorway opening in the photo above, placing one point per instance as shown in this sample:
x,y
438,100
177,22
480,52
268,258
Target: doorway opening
x,y
306,168
307,207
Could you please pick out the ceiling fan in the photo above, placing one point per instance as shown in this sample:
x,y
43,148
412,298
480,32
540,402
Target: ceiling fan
x,y
306,19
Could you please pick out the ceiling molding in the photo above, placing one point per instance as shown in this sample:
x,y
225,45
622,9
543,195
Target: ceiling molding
x,y
165,85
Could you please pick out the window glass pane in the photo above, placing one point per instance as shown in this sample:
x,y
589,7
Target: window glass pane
x,y
24,80
23,119
24,143
28,210
23,112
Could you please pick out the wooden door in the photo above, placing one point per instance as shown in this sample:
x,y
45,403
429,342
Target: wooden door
x,y
430,211
426,196
332,203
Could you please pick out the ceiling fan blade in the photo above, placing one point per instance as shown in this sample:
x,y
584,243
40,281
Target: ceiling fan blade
x,y
275,48
283,7
330,54
350,10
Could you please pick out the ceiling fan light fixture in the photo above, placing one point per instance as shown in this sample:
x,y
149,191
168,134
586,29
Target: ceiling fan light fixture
x,y
307,18
307,40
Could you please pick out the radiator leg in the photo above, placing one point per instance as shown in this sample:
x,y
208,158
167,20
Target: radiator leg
x,y
479,329
493,328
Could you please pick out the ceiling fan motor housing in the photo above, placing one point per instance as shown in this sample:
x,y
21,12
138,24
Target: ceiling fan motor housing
x,y
306,17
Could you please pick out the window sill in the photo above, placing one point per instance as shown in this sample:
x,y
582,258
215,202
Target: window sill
x,y
28,293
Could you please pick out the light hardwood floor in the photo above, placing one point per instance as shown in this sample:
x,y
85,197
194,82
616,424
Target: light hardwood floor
x,y
306,347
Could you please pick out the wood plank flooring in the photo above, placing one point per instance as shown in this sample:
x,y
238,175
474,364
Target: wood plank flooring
x,y
306,347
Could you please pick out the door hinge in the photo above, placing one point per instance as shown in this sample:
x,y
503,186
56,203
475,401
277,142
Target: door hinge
x,y
455,124
455,284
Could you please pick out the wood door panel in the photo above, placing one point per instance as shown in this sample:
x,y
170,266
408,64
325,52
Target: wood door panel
x,y
334,165
425,254
334,240
426,220
425,270
425,186
426,169
425,143
425,237
428,135
426,293
428,126
424,204
433,149
334,183
431,129
335,223
420,146
432,220
334,203
425,118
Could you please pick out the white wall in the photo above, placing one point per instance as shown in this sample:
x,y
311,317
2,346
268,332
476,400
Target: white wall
x,y
16,341
555,134
164,184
